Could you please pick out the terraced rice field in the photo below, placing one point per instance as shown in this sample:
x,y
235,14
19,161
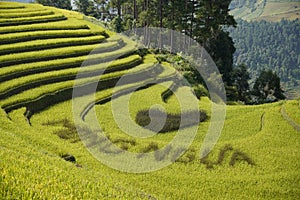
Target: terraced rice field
x,y
42,50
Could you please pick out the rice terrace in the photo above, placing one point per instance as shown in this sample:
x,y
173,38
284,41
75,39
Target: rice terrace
x,y
42,156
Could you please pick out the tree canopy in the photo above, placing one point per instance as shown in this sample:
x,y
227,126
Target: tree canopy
x,y
269,45
56,3
267,87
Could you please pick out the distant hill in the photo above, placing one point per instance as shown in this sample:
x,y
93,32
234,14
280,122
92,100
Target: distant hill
x,y
269,45
270,10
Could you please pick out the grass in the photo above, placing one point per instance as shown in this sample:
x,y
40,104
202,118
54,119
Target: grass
x,y
44,158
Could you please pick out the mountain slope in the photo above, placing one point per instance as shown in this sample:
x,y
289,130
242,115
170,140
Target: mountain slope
x,y
270,10
269,45
42,156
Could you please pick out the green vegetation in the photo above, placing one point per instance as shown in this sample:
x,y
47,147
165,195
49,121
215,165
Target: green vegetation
x,y
269,10
27,14
266,45
31,20
42,155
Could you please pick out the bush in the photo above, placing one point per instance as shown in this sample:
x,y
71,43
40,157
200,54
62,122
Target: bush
x,y
200,91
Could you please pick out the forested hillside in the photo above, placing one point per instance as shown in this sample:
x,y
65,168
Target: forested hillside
x,y
267,45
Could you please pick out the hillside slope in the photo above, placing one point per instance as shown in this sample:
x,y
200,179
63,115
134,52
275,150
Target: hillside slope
x,y
269,45
269,10
42,156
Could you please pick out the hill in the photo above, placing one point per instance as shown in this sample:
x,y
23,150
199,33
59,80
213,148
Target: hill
x,y
269,45
43,50
269,10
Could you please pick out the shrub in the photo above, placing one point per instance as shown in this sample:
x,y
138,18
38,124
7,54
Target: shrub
x,y
200,91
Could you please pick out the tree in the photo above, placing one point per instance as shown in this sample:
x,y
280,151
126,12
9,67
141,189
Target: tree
x,y
221,49
241,76
211,18
86,7
64,4
117,24
101,9
267,88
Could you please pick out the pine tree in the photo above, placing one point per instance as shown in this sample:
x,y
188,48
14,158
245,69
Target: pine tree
x,y
64,4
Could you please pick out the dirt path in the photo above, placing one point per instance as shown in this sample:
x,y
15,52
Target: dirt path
x,y
294,124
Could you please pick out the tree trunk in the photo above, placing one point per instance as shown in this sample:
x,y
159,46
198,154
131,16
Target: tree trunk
x,y
119,8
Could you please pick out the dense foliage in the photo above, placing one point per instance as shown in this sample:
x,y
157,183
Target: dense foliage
x,y
267,87
268,45
56,3
200,20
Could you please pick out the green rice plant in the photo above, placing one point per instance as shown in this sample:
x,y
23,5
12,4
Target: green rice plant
x,y
42,97
68,132
8,73
17,11
37,45
28,82
292,109
31,20
65,25
11,7
26,14
47,54
37,35
31,166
